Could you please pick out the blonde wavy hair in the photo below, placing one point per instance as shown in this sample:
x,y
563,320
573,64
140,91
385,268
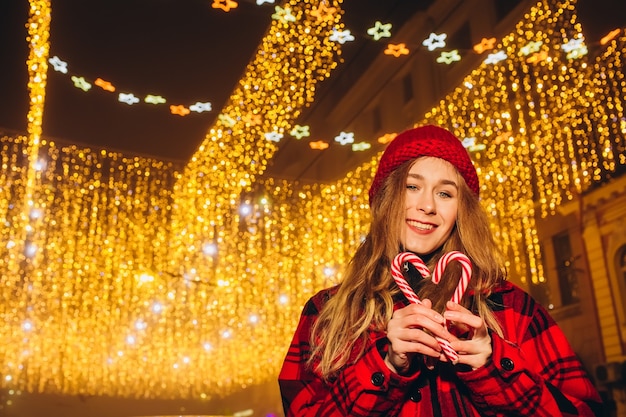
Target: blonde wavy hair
x,y
364,300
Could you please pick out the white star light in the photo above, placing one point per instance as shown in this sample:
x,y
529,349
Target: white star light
x,y
495,57
129,98
345,138
200,107
575,48
58,65
273,136
531,48
467,142
435,41
341,36
572,44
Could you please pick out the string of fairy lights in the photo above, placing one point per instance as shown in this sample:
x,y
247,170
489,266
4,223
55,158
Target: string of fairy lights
x,y
396,48
131,277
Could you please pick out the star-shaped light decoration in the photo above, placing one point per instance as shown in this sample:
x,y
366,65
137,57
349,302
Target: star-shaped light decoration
x,y
478,148
200,107
572,44
380,30
225,5
485,45
273,136
467,142
610,36
179,110
128,98
105,85
226,120
341,36
396,49
361,146
502,138
345,138
283,15
150,99
449,57
80,82
300,132
495,57
531,48
471,146
435,41
537,57
319,145
578,53
252,119
386,138
323,13
575,48
58,65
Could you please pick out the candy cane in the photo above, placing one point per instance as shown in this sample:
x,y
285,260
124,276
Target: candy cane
x,y
466,272
402,283
408,292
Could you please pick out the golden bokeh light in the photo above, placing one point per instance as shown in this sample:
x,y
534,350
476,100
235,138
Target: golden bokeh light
x,y
133,277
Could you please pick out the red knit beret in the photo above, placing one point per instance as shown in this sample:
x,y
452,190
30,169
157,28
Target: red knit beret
x,y
426,140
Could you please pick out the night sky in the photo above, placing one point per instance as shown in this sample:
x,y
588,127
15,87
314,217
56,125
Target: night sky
x,y
185,51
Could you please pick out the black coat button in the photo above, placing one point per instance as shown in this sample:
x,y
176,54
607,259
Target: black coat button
x,y
416,396
378,379
507,364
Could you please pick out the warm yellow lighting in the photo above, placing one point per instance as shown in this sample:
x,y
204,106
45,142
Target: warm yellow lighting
x,y
126,276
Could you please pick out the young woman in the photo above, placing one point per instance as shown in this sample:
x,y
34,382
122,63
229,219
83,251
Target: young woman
x,y
363,349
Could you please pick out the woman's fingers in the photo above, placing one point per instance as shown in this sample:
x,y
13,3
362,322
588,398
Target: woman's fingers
x,y
476,349
413,329
463,318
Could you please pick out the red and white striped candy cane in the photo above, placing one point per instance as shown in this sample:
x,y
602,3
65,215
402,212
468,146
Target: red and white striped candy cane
x,y
466,275
396,272
466,272
408,292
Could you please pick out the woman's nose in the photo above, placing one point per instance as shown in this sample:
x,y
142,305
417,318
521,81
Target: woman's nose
x,y
426,203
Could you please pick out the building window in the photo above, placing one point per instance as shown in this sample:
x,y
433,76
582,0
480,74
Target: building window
x,y
504,7
541,290
461,40
377,120
567,270
407,88
620,265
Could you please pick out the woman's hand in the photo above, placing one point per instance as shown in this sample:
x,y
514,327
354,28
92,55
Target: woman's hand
x,y
412,330
476,350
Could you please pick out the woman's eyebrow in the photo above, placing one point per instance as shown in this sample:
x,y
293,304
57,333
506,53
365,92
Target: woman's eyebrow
x,y
443,181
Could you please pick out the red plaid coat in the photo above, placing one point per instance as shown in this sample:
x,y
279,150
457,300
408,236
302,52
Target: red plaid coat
x,y
533,372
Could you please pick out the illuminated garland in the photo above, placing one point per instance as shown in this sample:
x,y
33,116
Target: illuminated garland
x,y
143,279
575,48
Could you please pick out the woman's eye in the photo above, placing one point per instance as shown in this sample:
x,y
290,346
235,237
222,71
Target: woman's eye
x,y
445,194
411,187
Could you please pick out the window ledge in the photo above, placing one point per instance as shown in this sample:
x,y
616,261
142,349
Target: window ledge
x,y
566,312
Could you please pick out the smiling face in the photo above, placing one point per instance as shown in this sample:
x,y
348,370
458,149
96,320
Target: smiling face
x,y
431,205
